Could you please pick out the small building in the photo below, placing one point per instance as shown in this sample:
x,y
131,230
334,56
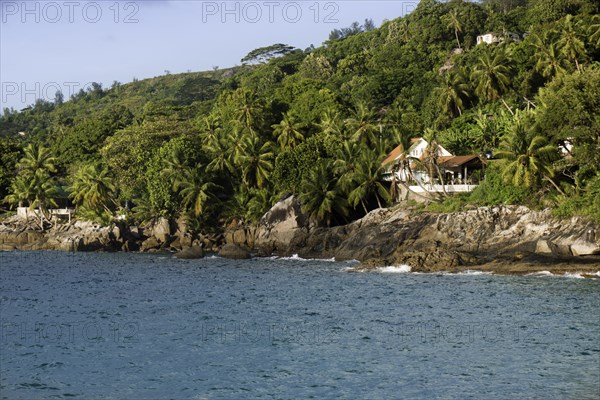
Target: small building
x,y
494,37
458,173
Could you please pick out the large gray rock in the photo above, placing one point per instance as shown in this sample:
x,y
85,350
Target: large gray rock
x,y
162,230
234,252
190,253
285,224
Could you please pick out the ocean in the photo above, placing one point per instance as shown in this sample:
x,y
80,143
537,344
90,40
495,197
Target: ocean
x,y
148,326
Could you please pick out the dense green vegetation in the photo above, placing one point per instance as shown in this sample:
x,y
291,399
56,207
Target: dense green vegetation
x,y
224,145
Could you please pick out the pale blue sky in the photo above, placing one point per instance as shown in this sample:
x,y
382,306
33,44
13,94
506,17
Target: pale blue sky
x,y
50,45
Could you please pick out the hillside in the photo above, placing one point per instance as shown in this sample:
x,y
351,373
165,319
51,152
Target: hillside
x,y
223,146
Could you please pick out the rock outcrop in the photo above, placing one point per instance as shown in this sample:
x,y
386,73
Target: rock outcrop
x,y
433,242
191,253
234,252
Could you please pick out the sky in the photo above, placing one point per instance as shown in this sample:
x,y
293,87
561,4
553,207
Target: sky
x,y
65,45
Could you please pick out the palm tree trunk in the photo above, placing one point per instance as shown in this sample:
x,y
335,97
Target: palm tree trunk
x,y
364,207
555,185
457,41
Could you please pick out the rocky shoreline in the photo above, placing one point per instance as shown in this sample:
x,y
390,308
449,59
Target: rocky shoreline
x,y
503,239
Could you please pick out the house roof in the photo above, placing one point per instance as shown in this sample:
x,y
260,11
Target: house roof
x,y
394,155
456,161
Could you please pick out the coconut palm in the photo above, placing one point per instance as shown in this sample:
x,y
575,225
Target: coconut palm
x,y
210,130
491,75
368,180
593,31
255,160
528,157
320,195
37,158
550,60
248,108
38,190
344,165
195,189
570,43
331,124
452,20
451,94
287,132
362,124
93,187
221,153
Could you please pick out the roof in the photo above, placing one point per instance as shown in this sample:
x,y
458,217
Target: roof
x,y
457,161
394,155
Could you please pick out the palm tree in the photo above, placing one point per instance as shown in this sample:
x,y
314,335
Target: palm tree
x,y
34,183
569,42
92,187
453,23
221,153
37,158
362,124
593,31
195,190
331,124
488,130
344,166
39,190
550,61
287,132
491,75
320,195
210,130
451,94
527,156
248,108
368,180
255,160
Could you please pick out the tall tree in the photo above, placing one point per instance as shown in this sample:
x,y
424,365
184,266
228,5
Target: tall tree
x,y
195,189
451,94
368,180
528,157
491,75
287,132
256,161
320,195
363,125
570,43
93,187
452,20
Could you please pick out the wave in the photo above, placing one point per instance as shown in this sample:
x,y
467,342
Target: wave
x,y
398,269
473,272
540,273
296,257
572,275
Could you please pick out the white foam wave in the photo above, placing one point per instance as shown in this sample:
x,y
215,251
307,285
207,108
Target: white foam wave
x,y
296,257
474,272
540,273
574,275
397,269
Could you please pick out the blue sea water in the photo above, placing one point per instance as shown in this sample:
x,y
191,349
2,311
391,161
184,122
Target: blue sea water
x,y
138,326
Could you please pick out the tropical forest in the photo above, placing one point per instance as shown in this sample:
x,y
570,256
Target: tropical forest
x,y
223,146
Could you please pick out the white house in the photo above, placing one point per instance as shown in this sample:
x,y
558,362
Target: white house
x,y
457,171
493,37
